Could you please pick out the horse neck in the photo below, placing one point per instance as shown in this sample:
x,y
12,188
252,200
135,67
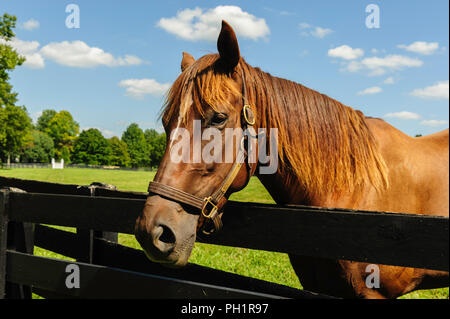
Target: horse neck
x,y
285,186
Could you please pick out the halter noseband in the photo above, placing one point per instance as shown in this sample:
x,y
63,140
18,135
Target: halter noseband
x,y
209,207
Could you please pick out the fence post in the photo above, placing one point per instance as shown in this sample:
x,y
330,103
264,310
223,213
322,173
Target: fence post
x,y
19,237
4,195
90,253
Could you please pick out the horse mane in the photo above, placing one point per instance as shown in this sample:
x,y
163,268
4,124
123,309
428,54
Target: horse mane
x,y
322,143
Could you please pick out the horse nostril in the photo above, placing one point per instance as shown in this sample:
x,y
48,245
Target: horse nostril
x,y
167,235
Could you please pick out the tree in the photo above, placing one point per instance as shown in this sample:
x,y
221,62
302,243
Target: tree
x,y
62,128
9,59
137,145
14,120
44,119
40,149
91,148
119,153
157,143
16,126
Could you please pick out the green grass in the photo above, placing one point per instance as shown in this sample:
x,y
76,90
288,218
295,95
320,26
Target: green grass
x,y
270,266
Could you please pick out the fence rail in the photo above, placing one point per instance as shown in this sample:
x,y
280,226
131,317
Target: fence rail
x,y
417,241
49,165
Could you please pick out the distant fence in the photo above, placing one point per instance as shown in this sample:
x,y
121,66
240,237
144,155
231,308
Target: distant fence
x,y
49,165
115,271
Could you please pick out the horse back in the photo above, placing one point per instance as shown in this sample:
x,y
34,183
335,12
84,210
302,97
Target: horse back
x,y
418,170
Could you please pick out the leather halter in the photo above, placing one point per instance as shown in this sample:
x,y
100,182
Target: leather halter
x,y
209,207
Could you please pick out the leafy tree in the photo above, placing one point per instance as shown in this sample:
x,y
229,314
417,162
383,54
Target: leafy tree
x,y
91,148
9,59
44,119
119,153
157,143
62,128
40,149
137,145
14,120
16,126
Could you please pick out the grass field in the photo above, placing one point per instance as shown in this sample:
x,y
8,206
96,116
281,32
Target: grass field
x,y
264,265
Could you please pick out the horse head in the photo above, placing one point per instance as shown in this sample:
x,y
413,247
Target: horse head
x,y
202,165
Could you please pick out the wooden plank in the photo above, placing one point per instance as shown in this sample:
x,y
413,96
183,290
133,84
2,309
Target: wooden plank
x,y
118,256
375,237
21,239
97,213
110,283
4,195
32,186
62,242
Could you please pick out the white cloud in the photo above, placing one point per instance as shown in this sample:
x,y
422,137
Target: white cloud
x,y
204,24
433,123
371,90
404,115
137,88
345,52
379,66
320,32
106,133
421,47
315,31
391,62
353,66
79,54
30,25
304,25
28,49
438,91
389,80
73,54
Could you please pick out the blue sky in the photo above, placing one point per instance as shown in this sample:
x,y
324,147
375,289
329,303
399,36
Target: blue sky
x,y
115,68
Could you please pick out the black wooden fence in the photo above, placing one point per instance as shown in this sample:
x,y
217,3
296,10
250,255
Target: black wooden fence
x,y
111,270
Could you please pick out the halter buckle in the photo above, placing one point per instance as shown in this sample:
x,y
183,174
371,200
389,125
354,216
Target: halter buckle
x,y
248,114
208,200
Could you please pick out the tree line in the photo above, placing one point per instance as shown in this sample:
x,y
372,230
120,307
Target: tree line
x,y
57,134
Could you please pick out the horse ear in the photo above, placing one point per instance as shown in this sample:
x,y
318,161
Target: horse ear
x,y
186,61
228,46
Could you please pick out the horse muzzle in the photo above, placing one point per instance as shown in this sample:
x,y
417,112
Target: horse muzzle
x,y
166,231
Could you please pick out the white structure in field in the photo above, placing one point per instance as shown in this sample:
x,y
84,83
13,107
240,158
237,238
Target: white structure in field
x,y
57,165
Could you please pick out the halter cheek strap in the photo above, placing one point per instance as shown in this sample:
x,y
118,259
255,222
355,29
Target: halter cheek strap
x,y
209,207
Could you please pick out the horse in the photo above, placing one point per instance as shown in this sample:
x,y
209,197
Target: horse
x,y
329,154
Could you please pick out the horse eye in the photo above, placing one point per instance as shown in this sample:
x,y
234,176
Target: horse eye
x,y
218,119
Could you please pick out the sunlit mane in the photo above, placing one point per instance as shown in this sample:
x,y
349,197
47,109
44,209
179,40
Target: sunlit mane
x,y
326,145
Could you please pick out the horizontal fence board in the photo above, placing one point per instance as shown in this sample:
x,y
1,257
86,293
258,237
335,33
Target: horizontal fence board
x,y
98,213
107,282
374,237
384,238
32,186
118,256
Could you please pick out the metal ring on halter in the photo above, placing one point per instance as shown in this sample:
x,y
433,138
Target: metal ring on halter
x,y
250,117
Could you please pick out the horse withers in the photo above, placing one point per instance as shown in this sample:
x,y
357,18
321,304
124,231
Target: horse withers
x,y
328,155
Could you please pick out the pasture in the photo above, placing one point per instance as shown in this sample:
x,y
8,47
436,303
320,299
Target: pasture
x,y
274,267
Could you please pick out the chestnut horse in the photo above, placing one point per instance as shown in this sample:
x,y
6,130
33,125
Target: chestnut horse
x,y
329,155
